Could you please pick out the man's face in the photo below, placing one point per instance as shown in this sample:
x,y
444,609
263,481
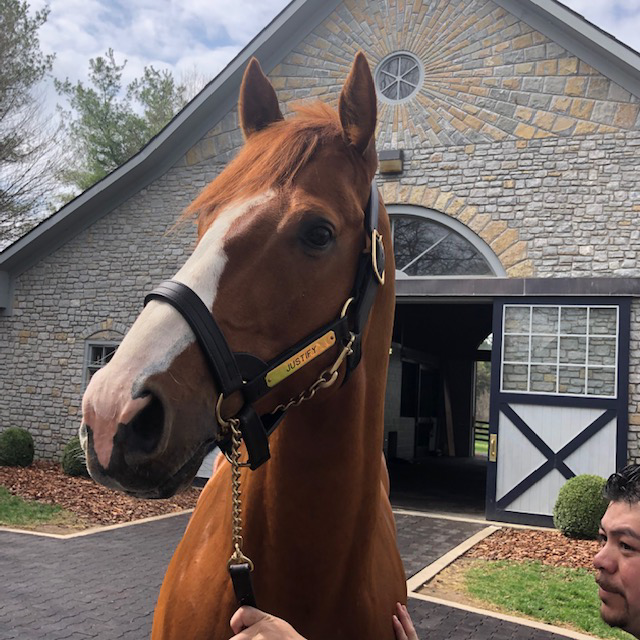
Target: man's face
x,y
618,567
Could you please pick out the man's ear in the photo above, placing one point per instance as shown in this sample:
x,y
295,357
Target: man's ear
x,y
258,103
357,106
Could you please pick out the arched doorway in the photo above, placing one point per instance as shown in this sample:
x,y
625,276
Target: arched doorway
x,y
431,414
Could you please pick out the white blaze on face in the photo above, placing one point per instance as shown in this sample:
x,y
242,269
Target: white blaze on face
x,y
160,333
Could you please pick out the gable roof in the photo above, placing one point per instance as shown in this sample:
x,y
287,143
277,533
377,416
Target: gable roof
x,y
560,24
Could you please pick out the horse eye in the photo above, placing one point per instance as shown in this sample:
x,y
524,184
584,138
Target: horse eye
x,y
318,237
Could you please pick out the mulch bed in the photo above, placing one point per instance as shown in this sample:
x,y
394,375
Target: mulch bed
x,y
549,547
95,505
92,503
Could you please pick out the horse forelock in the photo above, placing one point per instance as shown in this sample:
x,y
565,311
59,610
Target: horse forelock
x,y
271,158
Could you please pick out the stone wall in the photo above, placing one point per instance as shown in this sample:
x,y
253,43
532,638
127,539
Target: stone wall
x,y
541,205
488,77
90,289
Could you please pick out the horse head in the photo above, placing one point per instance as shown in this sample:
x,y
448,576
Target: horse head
x,y
280,235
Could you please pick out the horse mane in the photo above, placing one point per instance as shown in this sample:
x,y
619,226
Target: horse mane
x,y
271,157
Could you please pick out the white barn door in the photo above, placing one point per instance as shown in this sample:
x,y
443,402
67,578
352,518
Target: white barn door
x,y
558,401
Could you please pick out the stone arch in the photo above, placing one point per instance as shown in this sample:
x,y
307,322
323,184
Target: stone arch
x,y
105,330
504,241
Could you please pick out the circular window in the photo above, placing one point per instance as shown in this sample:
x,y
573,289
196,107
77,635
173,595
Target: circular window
x,y
398,77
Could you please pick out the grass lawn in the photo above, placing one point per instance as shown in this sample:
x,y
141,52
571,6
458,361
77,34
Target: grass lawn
x,y
16,512
550,594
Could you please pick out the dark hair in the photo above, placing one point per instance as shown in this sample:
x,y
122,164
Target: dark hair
x,y
624,485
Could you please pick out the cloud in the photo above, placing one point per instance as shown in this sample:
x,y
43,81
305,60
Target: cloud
x,y
620,18
172,34
180,34
176,34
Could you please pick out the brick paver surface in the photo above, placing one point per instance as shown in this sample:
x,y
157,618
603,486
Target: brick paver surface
x,y
105,585
99,586
423,540
439,622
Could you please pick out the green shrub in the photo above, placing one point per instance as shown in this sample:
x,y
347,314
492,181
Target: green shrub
x,y
16,447
73,460
580,506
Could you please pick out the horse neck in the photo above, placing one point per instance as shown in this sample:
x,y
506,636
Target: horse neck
x,y
326,456
334,440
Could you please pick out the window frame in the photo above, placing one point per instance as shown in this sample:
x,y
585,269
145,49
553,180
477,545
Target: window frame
x,y
88,345
615,367
379,70
454,226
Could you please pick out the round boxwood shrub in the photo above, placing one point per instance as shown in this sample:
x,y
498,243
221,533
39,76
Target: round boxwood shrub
x,y
16,447
580,506
73,460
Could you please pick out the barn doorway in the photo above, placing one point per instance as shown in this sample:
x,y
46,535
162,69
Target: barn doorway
x,y
436,414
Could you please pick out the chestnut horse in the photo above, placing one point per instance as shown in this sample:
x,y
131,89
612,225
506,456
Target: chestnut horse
x,y
281,233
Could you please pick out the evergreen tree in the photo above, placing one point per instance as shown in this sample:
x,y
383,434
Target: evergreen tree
x,y
107,124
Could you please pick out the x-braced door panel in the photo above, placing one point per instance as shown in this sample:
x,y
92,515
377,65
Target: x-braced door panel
x,y
558,401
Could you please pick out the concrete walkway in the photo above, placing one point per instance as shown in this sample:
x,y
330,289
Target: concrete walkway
x,y
105,585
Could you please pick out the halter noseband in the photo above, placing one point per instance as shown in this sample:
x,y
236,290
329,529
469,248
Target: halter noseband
x,y
253,377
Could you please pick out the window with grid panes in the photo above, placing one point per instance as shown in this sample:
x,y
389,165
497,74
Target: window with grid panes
x,y
560,350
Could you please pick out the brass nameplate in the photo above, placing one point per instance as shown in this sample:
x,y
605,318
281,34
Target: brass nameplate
x,y
301,358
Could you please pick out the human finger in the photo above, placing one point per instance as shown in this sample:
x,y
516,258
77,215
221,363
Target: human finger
x,y
245,617
399,629
405,620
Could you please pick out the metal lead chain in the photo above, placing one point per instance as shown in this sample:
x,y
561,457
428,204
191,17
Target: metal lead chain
x,y
326,379
237,557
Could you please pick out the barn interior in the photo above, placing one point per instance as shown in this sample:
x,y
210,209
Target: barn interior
x,y
437,446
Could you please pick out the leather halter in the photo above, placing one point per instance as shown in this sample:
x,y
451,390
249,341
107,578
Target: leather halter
x,y
245,372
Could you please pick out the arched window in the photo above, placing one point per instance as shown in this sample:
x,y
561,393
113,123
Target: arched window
x,y
429,244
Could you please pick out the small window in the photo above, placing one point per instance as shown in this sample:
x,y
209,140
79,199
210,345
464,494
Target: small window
x,y
97,356
560,350
398,77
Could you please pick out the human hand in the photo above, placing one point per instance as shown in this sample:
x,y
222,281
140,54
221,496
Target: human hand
x,y
402,624
252,624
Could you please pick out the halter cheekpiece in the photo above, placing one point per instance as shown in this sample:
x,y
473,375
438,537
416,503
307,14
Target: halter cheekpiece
x,y
254,378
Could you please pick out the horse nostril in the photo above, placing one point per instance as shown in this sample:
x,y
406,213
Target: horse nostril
x,y
145,429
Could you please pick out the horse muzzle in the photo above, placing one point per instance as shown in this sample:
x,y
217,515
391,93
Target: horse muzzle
x,y
136,445
148,480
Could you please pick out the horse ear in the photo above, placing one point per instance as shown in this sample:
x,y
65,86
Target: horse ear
x,y
258,103
357,106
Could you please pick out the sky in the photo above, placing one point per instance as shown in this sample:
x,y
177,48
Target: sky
x,y
183,35
178,35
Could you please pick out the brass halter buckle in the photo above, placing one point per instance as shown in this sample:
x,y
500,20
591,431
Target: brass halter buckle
x,y
225,425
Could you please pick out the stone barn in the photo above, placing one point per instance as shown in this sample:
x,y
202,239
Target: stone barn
x,y
508,140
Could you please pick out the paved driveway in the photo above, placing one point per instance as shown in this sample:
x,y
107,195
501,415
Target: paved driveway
x,y
105,585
